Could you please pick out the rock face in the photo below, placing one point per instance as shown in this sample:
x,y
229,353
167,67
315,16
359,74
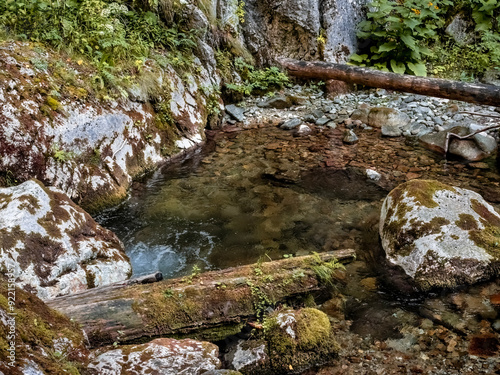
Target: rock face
x,y
441,236
307,30
159,357
91,147
54,247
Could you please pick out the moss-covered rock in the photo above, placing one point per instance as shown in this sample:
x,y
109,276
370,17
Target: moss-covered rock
x,y
441,236
44,340
161,356
298,340
53,247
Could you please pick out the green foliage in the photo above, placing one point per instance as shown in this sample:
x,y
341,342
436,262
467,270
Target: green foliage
x,y
257,80
60,155
398,32
112,35
405,36
325,270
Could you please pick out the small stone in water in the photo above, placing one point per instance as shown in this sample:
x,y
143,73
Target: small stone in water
x,y
350,137
290,124
373,175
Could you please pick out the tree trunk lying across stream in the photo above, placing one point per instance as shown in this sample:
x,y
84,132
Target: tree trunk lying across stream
x,y
441,88
210,306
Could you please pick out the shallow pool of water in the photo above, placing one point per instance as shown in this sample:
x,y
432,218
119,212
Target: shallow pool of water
x,y
236,200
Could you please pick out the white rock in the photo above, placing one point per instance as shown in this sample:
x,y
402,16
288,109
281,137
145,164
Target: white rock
x,y
53,246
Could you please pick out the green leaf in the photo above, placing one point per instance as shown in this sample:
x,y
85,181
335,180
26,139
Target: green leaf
x,y
418,69
358,58
387,47
411,23
398,67
409,41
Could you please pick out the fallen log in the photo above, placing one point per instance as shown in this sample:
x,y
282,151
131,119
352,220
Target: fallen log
x,y
209,306
441,88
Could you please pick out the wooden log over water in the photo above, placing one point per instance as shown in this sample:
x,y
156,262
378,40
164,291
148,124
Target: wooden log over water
x,y
441,88
210,306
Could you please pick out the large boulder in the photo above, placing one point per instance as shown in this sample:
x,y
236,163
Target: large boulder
x,y
161,357
439,235
56,128
52,246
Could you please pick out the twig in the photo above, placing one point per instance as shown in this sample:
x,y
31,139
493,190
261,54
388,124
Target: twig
x,y
479,114
448,135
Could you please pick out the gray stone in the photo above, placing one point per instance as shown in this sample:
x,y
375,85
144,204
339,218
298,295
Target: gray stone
x,y
458,29
350,137
317,113
439,235
380,116
236,112
291,124
310,118
161,356
302,130
361,114
56,247
391,131
486,142
373,175
278,102
322,121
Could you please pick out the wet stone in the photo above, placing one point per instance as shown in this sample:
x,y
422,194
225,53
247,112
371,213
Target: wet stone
x,y
350,137
291,124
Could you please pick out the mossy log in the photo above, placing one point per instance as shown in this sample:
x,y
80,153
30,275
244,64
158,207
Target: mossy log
x,y
441,88
209,306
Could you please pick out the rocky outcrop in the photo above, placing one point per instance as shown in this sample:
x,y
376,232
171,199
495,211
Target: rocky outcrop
x,y
439,235
57,128
310,30
52,246
161,356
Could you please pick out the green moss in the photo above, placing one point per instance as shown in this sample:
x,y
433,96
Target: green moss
x,y
314,341
53,103
37,326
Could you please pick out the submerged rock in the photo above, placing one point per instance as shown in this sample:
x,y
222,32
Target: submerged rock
x,y
160,356
54,247
441,236
350,137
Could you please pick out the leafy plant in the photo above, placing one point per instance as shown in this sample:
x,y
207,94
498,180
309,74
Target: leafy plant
x,y
325,270
398,32
257,80
61,155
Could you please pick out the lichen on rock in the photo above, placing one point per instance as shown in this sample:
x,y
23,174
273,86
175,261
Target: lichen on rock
x,y
441,236
54,247
161,356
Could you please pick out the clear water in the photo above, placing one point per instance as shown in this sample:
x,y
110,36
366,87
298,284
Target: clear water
x,y
228,204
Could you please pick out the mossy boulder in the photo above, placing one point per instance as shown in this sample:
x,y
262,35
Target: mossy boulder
x,y
45,341
440,235
162,356
52,246
298,340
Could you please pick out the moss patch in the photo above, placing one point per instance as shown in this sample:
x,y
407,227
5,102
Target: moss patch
x,y
37,326
313,344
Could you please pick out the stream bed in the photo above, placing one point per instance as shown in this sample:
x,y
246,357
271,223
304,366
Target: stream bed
x,y
263,193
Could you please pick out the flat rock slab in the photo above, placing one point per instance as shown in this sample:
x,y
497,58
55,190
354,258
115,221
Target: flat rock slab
x,y
440,235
